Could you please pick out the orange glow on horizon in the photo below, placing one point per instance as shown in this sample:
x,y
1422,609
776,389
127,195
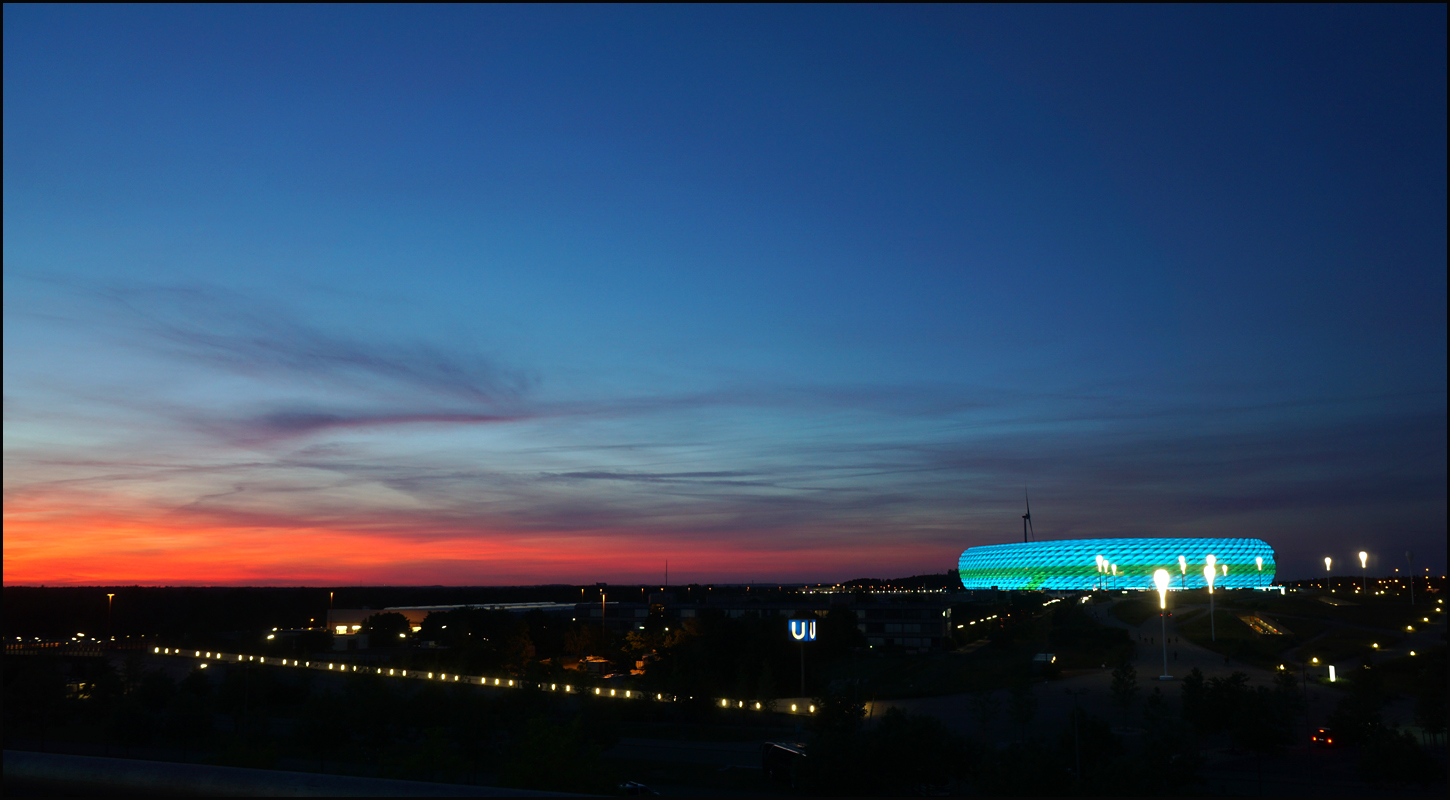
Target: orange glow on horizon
x,y
173,547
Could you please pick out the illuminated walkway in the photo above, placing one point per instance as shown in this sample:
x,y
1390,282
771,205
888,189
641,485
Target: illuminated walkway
x,y
206,658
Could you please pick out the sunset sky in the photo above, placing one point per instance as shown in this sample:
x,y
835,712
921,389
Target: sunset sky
x,y
481,295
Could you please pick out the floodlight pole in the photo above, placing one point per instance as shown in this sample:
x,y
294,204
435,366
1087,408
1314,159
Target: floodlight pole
x,y
1208,576
1076,746
1161,579
1163,615
1410,560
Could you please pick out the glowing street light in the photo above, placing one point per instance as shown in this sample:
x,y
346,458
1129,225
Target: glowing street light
x,y
1208,575
1410,559
1183,573
1363,575
1160,580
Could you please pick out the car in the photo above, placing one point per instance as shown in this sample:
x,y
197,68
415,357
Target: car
x,y
634,788
1324,737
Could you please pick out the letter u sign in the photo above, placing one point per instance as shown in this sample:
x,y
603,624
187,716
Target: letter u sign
x,y
803,630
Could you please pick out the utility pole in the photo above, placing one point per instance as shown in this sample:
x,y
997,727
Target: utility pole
x,y
803,668
1076,745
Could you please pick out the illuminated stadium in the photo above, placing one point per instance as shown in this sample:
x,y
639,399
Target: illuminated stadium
x,y
1086,564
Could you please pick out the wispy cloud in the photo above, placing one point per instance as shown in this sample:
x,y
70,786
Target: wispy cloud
x,y
428,444
247,335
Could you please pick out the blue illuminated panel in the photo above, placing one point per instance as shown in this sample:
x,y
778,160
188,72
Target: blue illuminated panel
x,y
1071,564
803,630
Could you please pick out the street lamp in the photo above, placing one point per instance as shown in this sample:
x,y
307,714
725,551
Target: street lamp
x,y
1208,575
1363,575
1410,559
110,596
1161,579
1183,573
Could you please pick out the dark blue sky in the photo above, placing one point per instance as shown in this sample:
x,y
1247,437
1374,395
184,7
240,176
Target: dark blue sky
x,y
523,294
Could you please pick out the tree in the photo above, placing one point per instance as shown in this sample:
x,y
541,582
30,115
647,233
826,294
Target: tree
x,y
313,641
1392,756
838,713
1430,696
196,683
1022,705
1170,759
386,628
156,690
1089,740
1357,716
1125,687
133,670
1193,699
35,697
984,707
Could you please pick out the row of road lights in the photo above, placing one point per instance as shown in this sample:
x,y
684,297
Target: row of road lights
x,y
1161,580
1364,571
1210,572
629,694
1108,569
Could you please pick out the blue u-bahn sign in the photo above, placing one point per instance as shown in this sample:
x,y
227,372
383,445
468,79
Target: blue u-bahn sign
x,y
803,630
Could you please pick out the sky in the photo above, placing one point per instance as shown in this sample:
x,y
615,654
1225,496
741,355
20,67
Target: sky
x,y
508,295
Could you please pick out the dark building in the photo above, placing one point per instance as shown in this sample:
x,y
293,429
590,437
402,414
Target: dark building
x,y
918,626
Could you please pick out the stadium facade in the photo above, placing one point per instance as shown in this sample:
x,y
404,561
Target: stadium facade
x,y
1072,564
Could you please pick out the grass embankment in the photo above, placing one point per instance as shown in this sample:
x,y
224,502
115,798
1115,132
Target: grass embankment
x,y
1352,629
1066,631
1387,613
1233,638
1344,644
1408,675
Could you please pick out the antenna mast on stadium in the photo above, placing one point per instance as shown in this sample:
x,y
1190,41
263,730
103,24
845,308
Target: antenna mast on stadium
x,y
1027,518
